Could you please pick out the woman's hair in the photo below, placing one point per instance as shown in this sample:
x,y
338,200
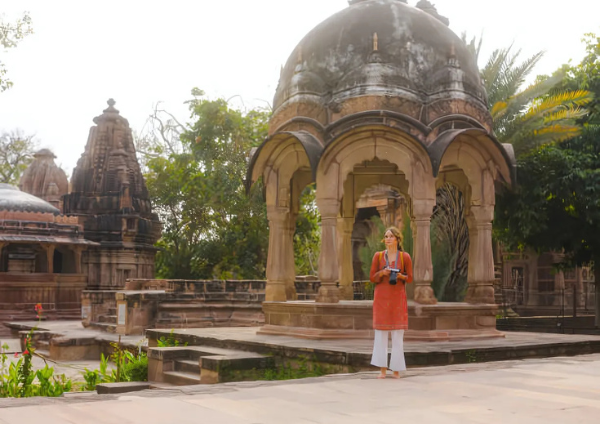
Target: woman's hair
x,y
396,233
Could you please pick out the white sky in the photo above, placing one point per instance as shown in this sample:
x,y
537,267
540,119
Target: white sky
x,y
142,52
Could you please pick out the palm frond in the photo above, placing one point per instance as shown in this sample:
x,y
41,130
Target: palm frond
x,y
551,103
565,114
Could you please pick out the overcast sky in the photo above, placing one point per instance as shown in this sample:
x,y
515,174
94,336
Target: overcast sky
x,y
142,52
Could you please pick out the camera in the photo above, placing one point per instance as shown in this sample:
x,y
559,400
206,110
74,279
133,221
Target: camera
x,y
393,276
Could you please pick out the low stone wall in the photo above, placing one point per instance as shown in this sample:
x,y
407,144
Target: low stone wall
x,y
59,294
168,304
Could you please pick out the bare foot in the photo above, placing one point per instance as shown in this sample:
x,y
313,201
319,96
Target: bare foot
x,y
396,375
381,376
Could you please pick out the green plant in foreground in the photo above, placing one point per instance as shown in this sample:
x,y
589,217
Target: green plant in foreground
x,y
18,379
129,367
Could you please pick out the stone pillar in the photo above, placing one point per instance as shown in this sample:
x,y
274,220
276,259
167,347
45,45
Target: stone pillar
x,y
50,257
346,268
77,251
328,259
277,260
481,258
422,264
290,265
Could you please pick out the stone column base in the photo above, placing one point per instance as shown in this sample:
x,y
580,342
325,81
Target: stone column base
x,y
424,295
480,293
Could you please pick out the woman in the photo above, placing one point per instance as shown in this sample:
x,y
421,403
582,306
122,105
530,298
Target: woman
x,y
390,271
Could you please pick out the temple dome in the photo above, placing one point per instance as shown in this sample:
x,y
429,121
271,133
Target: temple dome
x,y
13,199
413,55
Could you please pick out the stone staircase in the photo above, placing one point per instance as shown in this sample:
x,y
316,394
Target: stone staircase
x,y
189,365
107,321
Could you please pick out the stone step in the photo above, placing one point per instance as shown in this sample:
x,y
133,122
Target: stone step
x,y
109,319
188,365
109,328
180,378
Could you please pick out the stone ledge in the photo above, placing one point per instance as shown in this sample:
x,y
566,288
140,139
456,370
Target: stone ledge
x,y
115,388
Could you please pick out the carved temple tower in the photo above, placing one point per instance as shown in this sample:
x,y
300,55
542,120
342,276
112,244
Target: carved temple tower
x,y
45,180
109,195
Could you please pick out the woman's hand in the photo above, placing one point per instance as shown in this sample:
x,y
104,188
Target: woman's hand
x,y
385,272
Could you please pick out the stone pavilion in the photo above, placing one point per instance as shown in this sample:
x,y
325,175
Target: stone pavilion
x,y
380,93
40,258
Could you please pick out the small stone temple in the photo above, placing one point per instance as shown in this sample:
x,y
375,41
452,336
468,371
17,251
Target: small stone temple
x,y
109,196
380,93
40,258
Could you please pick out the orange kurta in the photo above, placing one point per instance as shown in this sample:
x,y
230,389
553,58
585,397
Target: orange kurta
x,y
390,311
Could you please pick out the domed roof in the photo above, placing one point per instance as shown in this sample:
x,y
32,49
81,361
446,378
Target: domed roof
x,y
380,47
13,199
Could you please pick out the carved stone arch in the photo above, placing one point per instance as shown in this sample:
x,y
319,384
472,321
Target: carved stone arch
x,y
500,157
373,143
482,160
306,146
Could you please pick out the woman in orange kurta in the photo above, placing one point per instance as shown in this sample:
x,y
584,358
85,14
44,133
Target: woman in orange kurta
x,y
390,271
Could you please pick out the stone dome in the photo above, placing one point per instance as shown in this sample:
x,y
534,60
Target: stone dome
x,y
380,47
13,199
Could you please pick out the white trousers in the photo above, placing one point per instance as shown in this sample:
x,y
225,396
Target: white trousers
x,y
380,350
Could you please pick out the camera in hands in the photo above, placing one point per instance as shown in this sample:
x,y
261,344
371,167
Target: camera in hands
x,y
394,276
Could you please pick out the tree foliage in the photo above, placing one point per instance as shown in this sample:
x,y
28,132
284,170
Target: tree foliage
x,y
196,180
195,174
11,33
16,153
556,206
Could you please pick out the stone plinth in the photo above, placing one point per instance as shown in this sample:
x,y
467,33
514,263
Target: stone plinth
x,y
354,320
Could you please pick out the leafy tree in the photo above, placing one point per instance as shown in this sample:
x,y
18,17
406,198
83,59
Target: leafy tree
x,y
10,36
211,228
16,153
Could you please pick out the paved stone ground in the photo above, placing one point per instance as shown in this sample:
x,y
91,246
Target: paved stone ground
x,y
511,339
535,391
